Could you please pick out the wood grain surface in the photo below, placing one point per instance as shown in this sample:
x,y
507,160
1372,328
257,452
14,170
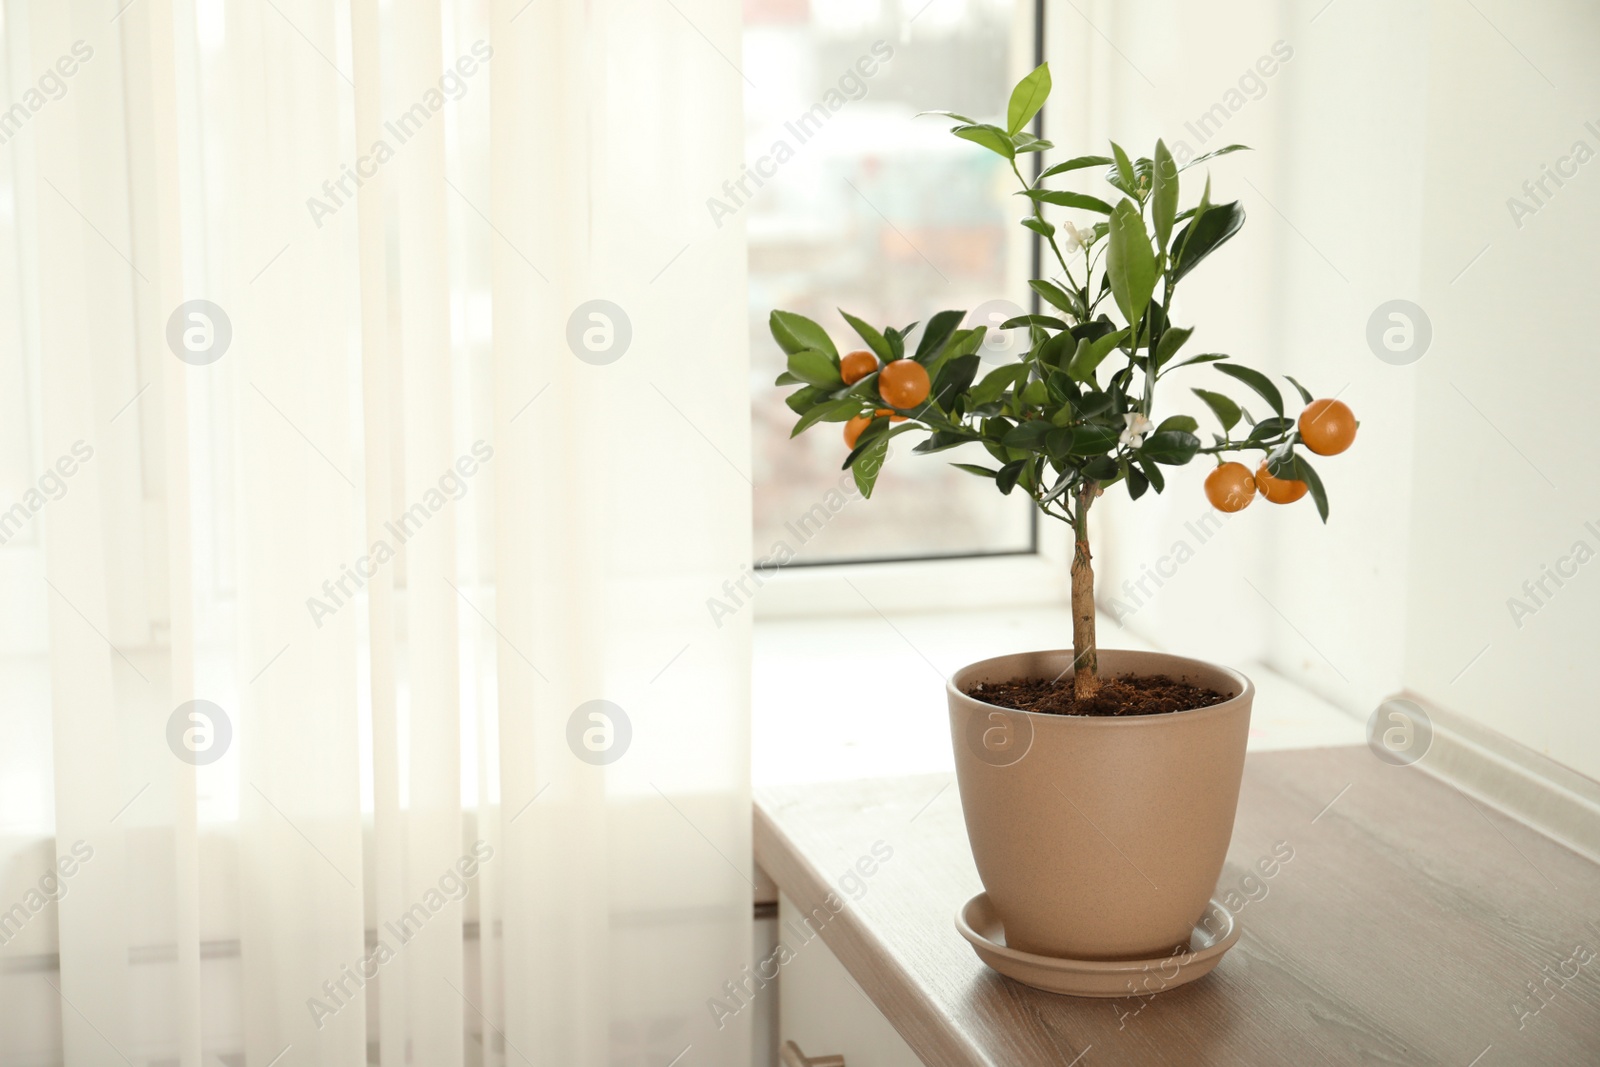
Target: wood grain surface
x,y
1411,925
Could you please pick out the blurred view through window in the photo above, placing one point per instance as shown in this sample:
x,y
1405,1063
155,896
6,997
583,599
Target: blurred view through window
x,y
856,204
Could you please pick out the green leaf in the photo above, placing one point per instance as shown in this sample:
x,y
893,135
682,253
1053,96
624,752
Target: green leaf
x,y
1034,320
1209,357
1141,173
1130,264
1094,404
815,368
869,334
1155,319
936,333
1089,354
1130,181
1305,394
1319,495
1032,475
955,377
942,440
1054,352
1095,328
946,114
1291,464
1205,200
1006,477
1158,481
1078,163
961,343
877,429
1027,142
801,400
795,333
1092,440
828,411
1058,444
1186,423
1213,155
897,341
1163,194
1040,226
1257,381
1137,485
1029,435
1064,484
996,382
786,379
1027,98
1269,428
1223,407
864,393
1067,198
993,138
864,389
1056,295
1172,447
1170,342
973,468
1205,234
877,433
867,465
965,342
1101,469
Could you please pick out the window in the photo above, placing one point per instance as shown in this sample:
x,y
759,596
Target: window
x,y
854,203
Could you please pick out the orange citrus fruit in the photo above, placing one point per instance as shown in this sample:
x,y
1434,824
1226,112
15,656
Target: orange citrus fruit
x,y
857,365
1278,490
853,428
1327,427
1230,487
903,383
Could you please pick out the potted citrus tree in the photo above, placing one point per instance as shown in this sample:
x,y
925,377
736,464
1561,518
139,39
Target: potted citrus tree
x,y
1099,786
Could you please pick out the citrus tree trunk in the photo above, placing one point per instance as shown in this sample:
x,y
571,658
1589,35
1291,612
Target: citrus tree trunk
x,y
1086,666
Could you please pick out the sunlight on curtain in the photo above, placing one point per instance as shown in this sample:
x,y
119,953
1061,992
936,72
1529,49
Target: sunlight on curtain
x,y
374,430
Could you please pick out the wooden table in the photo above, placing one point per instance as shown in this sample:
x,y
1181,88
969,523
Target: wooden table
x,y
1413,925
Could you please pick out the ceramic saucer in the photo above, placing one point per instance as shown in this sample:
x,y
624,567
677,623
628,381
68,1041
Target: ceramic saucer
x,y
979,924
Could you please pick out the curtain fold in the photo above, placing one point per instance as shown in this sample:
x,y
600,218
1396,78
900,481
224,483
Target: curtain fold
x,y
151,49
368,643
87,683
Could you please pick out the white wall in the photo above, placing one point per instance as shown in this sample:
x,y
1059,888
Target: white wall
x,y
1505,490
1386,148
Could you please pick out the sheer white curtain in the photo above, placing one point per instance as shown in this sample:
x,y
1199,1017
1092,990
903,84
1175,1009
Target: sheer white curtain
x,y
423,504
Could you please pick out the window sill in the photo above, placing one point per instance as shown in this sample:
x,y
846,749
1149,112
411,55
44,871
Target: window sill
x,y
863,696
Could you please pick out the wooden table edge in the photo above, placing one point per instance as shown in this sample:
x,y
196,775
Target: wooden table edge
x,y
892,989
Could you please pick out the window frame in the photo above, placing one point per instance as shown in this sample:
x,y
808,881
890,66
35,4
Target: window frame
x,y
1037,575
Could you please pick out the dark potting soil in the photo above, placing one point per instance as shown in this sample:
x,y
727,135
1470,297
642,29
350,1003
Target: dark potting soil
x,y
1129,695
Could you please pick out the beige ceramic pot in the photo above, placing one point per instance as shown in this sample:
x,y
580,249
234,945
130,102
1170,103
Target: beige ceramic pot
x,y
1099,838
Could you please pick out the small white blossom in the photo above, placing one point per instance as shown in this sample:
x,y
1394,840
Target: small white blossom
x,y
1074,239
1137,426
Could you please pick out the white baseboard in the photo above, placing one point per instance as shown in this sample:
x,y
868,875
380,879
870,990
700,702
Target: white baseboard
x,y
1554,799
